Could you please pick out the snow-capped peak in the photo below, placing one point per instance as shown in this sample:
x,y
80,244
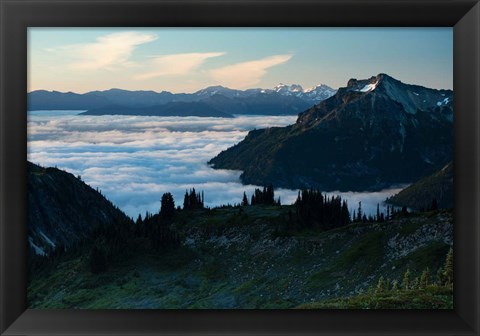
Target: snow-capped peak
x,y
316,87
283,88
315,93
296,88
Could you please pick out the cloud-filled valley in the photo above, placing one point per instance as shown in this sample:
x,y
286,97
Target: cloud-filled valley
x,y
133,160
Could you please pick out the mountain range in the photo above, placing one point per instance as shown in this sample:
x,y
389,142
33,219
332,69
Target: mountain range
x,y
371,134
213,101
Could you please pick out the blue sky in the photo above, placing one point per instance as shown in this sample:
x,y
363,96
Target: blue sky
x,y
188,59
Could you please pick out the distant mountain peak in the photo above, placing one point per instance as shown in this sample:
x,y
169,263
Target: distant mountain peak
x,y
318,86
367,85
288,88
412,97
316,93
212,88
215,87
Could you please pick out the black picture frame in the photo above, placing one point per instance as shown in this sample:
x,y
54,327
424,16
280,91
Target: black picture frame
x,y
17,15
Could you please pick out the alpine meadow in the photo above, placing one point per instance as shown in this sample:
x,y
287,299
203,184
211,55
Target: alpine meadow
x,y
240,168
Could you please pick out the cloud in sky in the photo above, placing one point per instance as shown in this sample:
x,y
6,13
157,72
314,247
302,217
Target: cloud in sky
x,y
116,58
176,64
247,74
108,51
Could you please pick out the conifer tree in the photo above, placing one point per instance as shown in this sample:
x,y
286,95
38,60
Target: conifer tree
x,y
186,200
448,269
192,200
439,278
167,208
415,283
245,199
406,280
359,212
381,287
425,278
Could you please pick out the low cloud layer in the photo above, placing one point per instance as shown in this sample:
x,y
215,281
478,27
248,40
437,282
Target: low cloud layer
x,y
133,160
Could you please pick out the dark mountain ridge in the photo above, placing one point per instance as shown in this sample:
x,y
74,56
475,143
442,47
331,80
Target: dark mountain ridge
x,y
62,209
54,100
421,194
371,134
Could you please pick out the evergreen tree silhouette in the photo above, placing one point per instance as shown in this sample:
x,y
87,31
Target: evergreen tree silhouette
x,y
359,211
167,208
245,199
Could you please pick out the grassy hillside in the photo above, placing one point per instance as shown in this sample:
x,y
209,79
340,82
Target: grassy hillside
x,y
432,297
438,186
240,258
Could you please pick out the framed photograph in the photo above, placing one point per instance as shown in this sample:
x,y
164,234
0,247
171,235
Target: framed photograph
x,y
239,167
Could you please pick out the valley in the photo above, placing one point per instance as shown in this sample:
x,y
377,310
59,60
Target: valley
x,y
239,168
308,243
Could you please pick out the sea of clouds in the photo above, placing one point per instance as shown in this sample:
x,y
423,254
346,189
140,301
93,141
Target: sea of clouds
x,y
133,160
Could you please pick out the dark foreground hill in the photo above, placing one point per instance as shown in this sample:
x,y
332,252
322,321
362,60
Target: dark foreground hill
x,y
63,210
371,134
436,188
239,258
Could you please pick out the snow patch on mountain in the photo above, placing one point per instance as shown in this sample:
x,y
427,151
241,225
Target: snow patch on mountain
x,y
48,240
369,87
38,250
443,102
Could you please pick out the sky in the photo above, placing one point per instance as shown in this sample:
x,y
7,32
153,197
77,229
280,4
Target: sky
x,y
189,59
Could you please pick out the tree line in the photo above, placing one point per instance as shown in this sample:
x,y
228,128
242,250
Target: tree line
x,y
315,211
443,278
